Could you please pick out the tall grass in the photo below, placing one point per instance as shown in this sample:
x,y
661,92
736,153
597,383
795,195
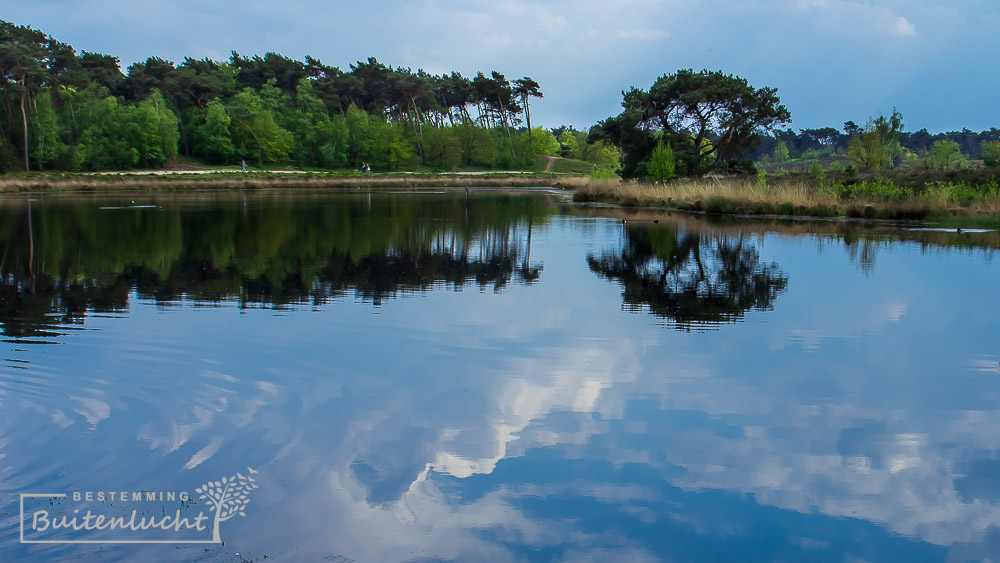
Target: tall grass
x,y
875,198
741,195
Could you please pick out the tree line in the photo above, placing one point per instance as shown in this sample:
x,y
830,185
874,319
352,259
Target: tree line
x,y
77,111
691,123
65,110
854,142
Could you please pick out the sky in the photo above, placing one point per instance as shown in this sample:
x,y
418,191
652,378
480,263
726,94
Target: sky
x,y
830,60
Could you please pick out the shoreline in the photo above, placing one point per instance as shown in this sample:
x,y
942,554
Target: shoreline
x,y
711,198
185,180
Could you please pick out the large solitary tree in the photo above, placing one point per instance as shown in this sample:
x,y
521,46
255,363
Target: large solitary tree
x,y
713,120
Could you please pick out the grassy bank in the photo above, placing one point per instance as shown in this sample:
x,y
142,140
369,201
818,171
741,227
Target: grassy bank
x,y
949,204
41,182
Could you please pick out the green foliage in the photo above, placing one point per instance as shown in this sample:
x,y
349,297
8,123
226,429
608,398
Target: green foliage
x,y
762,179
443,147
151,129
102,142
255,131
712,120
477,146
270,109
945,154
390,147
567,166
878,190
604,174
333,150
662,166
780,155
569,144
963,193
602,154
543,142
46,144
212,138
810,154
990,152
876,145
815,169
359,135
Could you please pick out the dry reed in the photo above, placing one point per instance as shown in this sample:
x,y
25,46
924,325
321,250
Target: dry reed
x,y
745,196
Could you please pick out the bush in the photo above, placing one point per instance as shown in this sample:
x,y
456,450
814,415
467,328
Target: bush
x,y
945,154
990,153
662,165
878,189
815,169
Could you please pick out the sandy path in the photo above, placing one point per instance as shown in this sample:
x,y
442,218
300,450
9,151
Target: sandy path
x,y
236,170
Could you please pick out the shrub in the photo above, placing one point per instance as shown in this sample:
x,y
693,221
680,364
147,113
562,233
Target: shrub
x,y
662,165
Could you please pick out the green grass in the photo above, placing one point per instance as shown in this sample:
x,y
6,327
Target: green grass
x,y
571,166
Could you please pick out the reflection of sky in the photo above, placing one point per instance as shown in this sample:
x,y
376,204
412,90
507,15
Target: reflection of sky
x,y
857,419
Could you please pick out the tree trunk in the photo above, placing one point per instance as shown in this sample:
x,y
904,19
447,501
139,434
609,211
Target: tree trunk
x,y
41,150
420,132
527,116
506,126
184,138
72,114
24,120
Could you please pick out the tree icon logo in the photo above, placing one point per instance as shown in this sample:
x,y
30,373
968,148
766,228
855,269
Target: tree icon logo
x,y
228,497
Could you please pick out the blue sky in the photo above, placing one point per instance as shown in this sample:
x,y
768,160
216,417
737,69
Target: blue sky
x,y
831,60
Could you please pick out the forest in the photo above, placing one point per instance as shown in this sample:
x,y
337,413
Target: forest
x,y
64,110
76,111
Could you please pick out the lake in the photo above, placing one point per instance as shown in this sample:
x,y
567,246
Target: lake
x,y
509,377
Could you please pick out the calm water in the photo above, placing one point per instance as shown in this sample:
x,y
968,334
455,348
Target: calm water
x,y
415,378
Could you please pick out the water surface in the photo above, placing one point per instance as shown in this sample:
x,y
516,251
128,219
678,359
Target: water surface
x,y
416,377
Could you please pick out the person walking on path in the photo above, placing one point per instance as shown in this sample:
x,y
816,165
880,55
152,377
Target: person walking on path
x,y
243,166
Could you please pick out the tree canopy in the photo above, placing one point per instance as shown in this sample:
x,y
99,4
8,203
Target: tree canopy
x,y
77,111
711,119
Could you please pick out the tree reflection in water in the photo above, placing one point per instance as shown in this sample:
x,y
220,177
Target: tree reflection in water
x,y
691,279
65,258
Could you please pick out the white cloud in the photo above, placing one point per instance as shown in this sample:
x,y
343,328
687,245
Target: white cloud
x,y
850,17
902,27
